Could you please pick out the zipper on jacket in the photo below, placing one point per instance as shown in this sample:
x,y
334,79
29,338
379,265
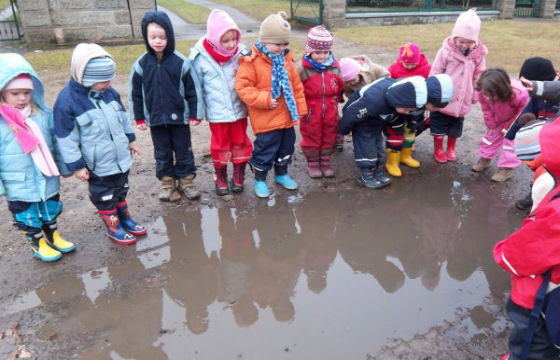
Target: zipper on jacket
x,y
323,95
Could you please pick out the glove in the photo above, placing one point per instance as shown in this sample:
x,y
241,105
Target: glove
x,y
195,122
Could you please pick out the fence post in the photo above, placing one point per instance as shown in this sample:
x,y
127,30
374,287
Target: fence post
x,y
334,13
547,9
506,8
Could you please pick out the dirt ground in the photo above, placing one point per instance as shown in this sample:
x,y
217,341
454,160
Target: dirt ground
x,y
79,222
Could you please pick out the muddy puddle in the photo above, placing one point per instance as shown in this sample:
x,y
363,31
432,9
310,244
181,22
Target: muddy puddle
x,y
329,275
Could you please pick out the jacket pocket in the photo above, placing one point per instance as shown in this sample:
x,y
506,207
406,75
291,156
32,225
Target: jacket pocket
x,y
12,176
90,157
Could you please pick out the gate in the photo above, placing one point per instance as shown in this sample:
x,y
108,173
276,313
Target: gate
x,y
308,11
9,27
527,8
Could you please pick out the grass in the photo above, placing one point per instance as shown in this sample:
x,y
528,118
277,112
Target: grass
x,y
258,9
509,42
191,13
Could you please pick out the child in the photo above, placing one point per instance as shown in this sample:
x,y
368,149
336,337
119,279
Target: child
x,y
268,82
162,95
29,174
410,62
96,139
501,100
322,83
368,111
530,252
462,57
215,63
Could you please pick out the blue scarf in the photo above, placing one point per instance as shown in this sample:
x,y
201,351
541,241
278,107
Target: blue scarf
x,y
280,80
320,67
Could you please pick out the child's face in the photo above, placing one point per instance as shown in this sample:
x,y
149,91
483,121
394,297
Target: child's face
x,y
462,44
405,111
276,49
408,66
229,40
101,86
320,56
354,81
18,98
157,38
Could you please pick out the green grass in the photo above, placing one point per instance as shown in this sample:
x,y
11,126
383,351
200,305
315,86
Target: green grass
x,y
191,13
258,9
509,42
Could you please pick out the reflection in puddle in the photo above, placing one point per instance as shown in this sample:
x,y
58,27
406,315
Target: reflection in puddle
x,y
330,275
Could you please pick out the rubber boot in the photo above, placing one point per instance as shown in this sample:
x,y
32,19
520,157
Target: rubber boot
x,y
380,176
186,185
115,230
55,240
406,158
238,177
451,156
326,168
261,190
368,180
41,249
439,154
220,179
392,164
127,223
281,177
166,188
313,168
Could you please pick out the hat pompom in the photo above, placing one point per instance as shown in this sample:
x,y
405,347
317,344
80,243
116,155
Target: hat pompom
x,y
409,53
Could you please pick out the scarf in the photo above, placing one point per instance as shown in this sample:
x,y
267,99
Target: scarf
x,y
280,80
320,67
220,59
30,137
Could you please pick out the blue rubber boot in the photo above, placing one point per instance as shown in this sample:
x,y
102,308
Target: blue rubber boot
x,y
115,230
127,223
261,190
281,177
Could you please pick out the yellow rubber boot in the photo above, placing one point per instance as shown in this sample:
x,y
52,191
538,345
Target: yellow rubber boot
x,y
60,244
392,164
406,158
43,251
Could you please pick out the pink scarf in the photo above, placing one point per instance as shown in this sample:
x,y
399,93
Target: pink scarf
x,y
30,137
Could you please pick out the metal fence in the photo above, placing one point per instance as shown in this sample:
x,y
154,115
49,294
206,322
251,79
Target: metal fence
x,y
417,5
9,27
527,8
308,11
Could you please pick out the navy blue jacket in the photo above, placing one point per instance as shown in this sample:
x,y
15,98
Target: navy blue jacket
x,y
162,92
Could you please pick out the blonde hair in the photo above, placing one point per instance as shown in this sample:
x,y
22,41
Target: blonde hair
x,y
32,105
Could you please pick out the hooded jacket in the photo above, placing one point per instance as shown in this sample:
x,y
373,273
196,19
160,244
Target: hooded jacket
x,y
374,104
500,115
398,71
162,92
20,179
92,128
535,247
368,74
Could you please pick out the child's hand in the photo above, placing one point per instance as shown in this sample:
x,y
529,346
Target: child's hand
x,y
527,83
134,149
82,174
273,104
141,125
195,122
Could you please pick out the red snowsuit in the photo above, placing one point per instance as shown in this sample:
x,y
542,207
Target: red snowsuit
x,y
323,91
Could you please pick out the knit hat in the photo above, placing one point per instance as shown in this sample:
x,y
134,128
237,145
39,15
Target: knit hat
x,y
22,81
275,29
526,143
318,39
99,70
467,25
350,68
409,53
219,22
409,92
440,90
537,69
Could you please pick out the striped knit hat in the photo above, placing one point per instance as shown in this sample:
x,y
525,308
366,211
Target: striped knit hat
x,y
318,39
99,70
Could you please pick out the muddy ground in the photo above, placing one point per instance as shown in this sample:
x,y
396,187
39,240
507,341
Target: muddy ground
x,y
20,273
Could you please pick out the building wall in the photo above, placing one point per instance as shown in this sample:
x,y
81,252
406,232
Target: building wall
x,y
64,21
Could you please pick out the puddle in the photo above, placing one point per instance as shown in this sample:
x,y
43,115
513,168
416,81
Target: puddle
x,y
320,275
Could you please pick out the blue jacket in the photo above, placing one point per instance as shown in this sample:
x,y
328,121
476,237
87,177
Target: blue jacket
x,y
20,179
162,92
217,84
93,130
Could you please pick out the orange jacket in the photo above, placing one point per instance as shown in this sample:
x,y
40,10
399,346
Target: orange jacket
x,y
253,84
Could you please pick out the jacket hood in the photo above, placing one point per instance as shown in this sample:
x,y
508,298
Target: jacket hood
x,y
407,93
162,20
550,146
467,25
81,55
12,65
219,22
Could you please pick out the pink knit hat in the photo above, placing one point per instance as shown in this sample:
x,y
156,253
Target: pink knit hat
x,y
219,22
22,81
318,39
349,67
409,53
467,25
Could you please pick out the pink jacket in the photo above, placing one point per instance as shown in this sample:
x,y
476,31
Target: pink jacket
x,y
464,71
499,115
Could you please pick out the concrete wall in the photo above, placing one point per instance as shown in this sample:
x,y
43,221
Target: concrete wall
x,y
77,20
